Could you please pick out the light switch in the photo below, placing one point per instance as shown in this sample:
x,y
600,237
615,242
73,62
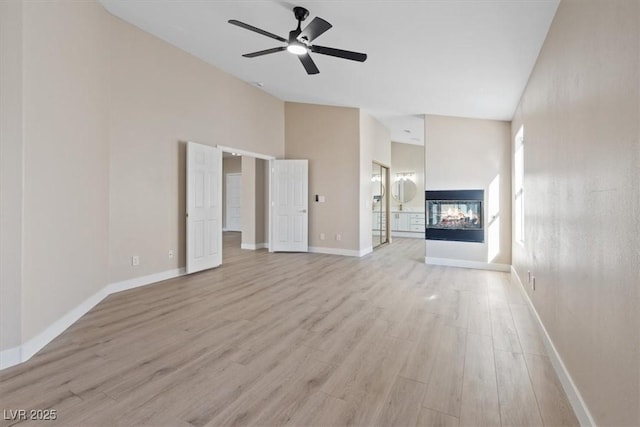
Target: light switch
x,y
321,199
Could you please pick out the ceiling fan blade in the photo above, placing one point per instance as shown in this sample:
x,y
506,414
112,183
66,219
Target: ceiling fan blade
x,y
346,54
264,52
308,64
256,29
315,29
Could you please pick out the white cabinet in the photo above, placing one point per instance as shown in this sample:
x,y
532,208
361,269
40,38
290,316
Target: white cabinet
x,y
416,222
407,222
399,221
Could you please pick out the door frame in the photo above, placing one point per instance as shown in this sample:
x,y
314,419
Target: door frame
x,y
387,201
269,159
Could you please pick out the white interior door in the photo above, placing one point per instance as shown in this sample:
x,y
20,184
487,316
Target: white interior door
x,y
204,207
234,202
289,204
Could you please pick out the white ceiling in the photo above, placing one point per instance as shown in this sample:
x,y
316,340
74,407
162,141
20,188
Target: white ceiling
x,y
466,58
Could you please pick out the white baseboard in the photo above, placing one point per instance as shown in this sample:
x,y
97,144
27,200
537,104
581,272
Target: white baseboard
x,y
334,251
449,262
10,357
36,343
253,247
573,394
19,354
365,251
145,280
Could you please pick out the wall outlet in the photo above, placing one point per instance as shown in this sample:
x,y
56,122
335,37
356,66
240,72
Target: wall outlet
x,y
171,253
321,236
135,260
338,236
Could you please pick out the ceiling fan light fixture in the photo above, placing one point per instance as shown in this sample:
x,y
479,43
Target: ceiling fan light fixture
x,y
297,48
300,41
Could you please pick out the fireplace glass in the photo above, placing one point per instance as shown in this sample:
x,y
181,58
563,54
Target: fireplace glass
x,y
455,214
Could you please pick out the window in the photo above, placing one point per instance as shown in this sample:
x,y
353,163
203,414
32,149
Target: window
x,y
518,162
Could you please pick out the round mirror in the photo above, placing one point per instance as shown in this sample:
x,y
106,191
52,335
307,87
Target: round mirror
x,y
404,190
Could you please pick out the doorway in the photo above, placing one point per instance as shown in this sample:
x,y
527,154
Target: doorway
x,y
380,204
245,200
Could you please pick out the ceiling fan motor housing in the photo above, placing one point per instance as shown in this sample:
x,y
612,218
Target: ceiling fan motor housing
x,y
300,13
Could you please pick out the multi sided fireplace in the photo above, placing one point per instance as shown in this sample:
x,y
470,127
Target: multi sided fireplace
x,y
455,215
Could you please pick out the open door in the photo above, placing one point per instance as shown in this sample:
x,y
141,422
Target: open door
x,y
290,206
204,207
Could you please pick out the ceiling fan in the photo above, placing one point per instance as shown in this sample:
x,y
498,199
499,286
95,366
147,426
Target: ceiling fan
x,y
299,42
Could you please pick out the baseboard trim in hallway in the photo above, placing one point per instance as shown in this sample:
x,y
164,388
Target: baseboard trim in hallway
x,y
573,394
254,246
24,352
449,262
339,251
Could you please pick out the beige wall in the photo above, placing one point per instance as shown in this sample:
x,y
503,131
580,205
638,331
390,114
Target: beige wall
x,y
408,158
249,192
66,158
162,95
261,202
329,138
375,145
229,165
471,154
248,200
106,110
11,169
582,175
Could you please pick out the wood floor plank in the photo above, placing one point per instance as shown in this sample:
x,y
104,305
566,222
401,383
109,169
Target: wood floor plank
x,y
444,392
366,377
276,397
504,332
403,405
480,406
299,339
528,331
479,315
555,408
431,418
518,405
321,410
422,355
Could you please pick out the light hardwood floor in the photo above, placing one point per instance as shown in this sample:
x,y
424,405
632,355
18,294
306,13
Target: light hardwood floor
x,y
301,339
